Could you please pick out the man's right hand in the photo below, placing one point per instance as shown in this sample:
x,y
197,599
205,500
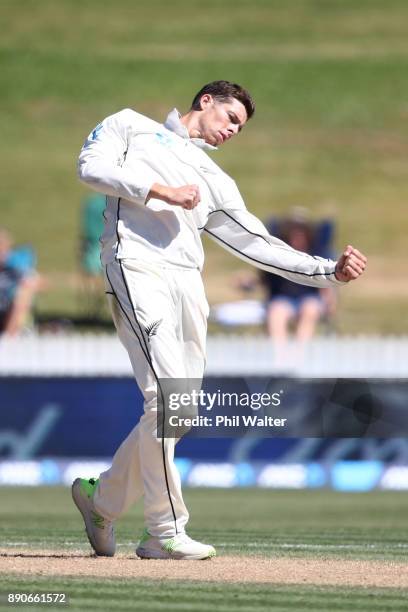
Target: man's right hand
x,y
187,196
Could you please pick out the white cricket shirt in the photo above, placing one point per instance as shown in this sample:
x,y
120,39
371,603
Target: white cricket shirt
x,y
128,152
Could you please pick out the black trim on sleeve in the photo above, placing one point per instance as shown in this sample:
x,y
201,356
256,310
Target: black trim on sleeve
x,y
118,212
263,263
237,222
117,228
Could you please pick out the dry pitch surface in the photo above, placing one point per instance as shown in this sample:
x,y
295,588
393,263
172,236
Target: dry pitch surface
x,y
283,550
228,569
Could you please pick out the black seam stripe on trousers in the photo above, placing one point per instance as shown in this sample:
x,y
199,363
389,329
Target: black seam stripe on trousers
x,y
146,353
126,315
264,263
142,333
161,393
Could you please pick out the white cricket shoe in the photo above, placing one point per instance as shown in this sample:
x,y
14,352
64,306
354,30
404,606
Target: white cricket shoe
x,y
179,547
99,530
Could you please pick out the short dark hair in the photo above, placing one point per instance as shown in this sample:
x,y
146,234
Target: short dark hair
x,y
224,91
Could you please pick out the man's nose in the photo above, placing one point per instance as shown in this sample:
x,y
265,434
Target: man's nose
x,y
233,128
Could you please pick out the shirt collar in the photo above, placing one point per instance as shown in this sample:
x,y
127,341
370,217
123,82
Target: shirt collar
x,y
174,124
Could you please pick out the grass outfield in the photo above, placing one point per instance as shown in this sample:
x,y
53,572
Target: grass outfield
x,y
237,521
197,597
330,132
286,526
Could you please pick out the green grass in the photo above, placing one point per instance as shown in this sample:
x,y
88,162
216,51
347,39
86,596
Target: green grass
x,y
330,132
198,597
237,521
311,524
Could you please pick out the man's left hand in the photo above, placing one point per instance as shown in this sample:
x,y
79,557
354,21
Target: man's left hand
x,y
350,265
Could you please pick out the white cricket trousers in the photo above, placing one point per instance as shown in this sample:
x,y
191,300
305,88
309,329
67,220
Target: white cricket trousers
x,y
161,318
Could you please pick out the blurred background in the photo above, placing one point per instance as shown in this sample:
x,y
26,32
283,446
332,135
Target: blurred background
x,y
327,149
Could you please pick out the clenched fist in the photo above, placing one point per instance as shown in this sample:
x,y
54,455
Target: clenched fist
x,y
350,265
187,196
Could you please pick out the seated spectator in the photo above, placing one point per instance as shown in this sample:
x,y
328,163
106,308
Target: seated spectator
x,y
287,302
18,285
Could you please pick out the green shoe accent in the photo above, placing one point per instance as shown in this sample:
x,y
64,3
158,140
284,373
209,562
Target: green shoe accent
x,y
212,554
88,487
145,537
169,545
97,519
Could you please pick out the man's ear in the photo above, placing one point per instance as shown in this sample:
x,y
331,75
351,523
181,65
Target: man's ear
x,y
206,100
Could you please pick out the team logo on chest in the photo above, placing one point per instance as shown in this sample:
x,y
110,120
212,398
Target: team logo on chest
x,y
165,139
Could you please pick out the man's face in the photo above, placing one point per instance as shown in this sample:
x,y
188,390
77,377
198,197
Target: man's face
x,y
220,121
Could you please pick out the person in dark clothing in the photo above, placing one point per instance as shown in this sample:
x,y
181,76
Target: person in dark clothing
x,y
289,302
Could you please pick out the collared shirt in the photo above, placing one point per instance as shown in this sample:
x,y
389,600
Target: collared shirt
x,y
127,153
174,124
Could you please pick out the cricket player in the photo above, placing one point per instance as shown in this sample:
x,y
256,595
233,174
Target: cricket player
x,y
163,191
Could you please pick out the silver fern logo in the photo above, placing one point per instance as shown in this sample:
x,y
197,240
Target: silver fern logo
x,y
151,329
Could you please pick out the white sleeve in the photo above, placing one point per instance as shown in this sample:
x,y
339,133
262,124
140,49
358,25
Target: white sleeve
x,y
245,236
103,154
